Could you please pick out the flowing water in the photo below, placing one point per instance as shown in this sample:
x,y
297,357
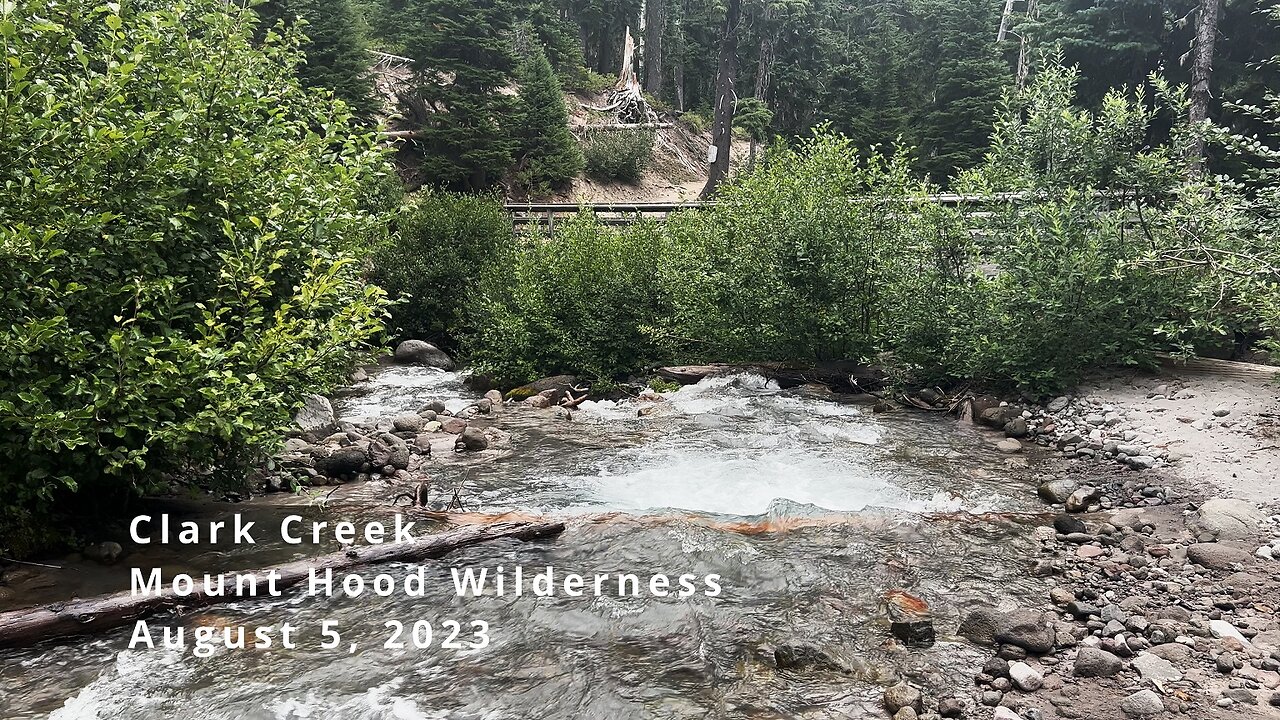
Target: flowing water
x,y
807,510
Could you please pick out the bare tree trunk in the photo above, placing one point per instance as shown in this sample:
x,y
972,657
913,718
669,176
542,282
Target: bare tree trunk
x,y
1201,73
655,20
20,628
1024,47
678,78
765,65
1004,20
722,125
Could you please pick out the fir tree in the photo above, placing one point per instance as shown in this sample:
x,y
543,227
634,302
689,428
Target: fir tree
x,y
336,57
463,61
551,157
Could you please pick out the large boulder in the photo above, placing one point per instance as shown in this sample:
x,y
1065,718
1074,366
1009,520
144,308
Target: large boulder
x,y
999,416
420,352
1228,519
315,415
343,461
901,696
1057,490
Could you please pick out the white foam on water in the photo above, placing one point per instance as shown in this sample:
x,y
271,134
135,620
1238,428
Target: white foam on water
x,y
404,388
741,483
137,679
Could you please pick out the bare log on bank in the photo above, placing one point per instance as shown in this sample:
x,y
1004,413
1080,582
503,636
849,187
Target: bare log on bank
x,y
19,628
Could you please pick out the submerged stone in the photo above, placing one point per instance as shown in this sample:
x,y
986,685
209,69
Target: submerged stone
x,y
910,619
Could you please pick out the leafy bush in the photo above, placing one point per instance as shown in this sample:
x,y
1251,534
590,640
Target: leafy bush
x,y
1073,283
577,302
432,265
797,259
584,79
177,226
617,154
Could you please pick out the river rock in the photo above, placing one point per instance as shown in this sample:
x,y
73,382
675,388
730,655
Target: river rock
x,y
420,352
1172,652
408,422
556,386
385,451
106,553
1155,669
903,695
1068,524
1092,662
1017,428
1025,629
1004,713
1224,629
1143,703
905,713
1009,445
472,439
1057,491
979,626
800,655
1228,519
538,401
315,415
494,396
453,425
343,461
1216,556
951,707
1082,497
909,618
1025,677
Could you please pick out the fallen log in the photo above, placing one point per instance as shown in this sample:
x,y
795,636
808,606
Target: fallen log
x,y
28,626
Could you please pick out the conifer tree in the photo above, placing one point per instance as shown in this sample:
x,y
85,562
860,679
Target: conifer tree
x,y
551,157
335,49
463,62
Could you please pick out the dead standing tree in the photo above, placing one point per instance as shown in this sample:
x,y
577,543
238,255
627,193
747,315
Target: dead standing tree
x,y
722,123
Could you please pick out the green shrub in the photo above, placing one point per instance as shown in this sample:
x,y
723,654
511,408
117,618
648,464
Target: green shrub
x,y
579,302
586,80
797,259
617,154
177,226
431,266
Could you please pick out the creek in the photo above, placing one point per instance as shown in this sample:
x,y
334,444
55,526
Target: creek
x,y
807,511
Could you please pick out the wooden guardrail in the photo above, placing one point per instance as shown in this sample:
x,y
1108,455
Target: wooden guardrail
x,y
622,213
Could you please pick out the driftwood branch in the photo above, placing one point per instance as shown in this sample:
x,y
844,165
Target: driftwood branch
x,y
28,626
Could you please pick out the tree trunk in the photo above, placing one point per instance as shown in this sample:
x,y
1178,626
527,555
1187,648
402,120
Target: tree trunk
x,y
678,78
31,625
1004,20
655,20
722,125
1201,72
1024,47
765,64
